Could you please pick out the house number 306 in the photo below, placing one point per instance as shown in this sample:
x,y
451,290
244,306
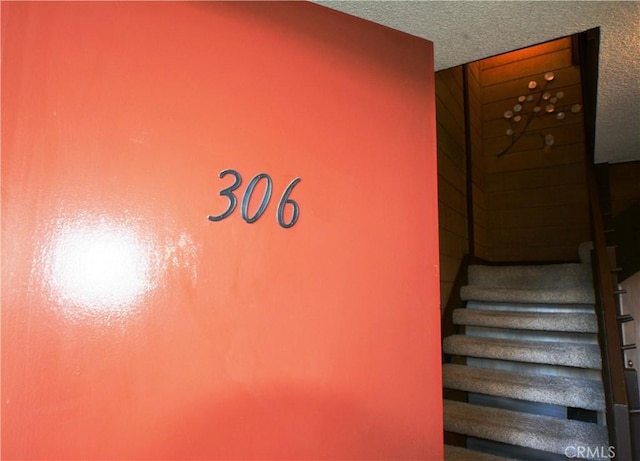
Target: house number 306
x,y
285,201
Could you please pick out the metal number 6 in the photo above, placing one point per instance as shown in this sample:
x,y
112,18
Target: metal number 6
x,y
285,200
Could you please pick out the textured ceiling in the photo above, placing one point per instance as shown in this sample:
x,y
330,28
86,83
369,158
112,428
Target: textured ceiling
x,y
465,31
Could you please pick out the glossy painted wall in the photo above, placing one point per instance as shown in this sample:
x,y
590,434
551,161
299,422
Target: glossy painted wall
x,y
134,327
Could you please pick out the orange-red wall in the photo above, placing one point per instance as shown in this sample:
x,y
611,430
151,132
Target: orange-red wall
x,y
133,327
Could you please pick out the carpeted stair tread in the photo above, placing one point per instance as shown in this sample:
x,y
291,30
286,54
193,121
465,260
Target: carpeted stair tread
x,y
541,277
533,431
532,307
551,283
557,390
553,353
452,453
513,295
574,322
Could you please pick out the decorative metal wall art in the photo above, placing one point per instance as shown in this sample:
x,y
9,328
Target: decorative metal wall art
x,y
540,102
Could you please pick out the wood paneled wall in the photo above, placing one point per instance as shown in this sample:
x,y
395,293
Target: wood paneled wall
x,y
536,200
624,194
452,170
474,88
529,204
624,179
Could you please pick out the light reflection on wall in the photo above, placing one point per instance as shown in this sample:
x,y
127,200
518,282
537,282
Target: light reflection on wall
x,y
99,266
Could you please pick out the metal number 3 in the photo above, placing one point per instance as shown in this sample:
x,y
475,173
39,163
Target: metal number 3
x,y
228,192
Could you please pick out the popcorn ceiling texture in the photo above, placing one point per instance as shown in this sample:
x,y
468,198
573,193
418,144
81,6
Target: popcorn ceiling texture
x,y
465,31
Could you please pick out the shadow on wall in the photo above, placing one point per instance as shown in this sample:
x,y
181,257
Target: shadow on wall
x,y
314,426
627,238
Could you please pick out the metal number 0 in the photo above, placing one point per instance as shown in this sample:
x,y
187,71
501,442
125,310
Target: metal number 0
x,y
247,196
228,192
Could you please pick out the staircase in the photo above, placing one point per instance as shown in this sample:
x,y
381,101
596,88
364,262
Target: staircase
x,y
528,364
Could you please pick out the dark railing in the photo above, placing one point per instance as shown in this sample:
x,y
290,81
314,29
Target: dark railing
x,y
613,370
613,373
